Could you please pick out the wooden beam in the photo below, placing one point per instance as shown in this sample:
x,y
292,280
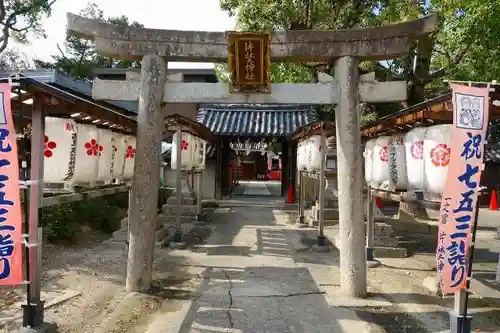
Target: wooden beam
x,y
281,93
66,198
115,120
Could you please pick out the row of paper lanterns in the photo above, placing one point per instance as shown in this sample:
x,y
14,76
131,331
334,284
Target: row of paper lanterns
x,y
416,161
82,153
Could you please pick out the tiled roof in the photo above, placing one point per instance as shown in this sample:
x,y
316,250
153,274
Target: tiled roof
x,y
255,119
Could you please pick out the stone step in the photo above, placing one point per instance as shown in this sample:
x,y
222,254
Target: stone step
x,y
122,235
169,219
186,200
385,241
186,210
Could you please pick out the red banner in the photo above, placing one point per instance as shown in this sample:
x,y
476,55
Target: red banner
x,y
460,195
11,247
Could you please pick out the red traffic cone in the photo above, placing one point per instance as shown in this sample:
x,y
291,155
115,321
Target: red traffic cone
x,y
378,202
493,201
289,197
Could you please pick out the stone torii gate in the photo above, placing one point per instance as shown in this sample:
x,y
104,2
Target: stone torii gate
x,y
157,47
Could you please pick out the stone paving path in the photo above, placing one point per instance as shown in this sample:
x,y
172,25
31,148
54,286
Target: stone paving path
x,y
258,188
251,282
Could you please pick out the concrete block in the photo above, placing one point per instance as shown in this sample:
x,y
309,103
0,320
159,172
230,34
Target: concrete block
x,y
122,235
380,251
385,242
390,252
124,223
186,200
331,214
171,219
383,229
415,227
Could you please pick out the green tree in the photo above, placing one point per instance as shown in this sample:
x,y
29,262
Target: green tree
x,y
79,57
18,18
465,47
12,60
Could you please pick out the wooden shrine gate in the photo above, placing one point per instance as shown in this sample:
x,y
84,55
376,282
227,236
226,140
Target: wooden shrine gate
x,y
251,85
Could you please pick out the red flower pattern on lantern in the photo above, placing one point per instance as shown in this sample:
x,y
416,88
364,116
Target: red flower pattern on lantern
x,y
440,155
184,145
93,148
384,154
417,150
48,146
130,152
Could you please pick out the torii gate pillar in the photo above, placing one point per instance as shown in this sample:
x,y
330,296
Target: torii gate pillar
x,y
145,186
349,180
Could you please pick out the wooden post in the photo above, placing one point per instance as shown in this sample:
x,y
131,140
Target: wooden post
x,y
35,235
200,217
350,178
145,185
370,231
177,239
321,199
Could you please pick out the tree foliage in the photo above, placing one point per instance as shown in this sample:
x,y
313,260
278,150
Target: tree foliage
x,y
14,61
465,46
18,18
79,57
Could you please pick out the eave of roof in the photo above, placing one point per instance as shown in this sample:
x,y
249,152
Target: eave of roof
x,y
255,120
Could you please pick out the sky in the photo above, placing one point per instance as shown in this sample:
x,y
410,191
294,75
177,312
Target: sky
x,y
202,15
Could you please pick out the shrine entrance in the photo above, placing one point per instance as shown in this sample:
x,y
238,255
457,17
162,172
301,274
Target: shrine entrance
x,y
255,150
249,56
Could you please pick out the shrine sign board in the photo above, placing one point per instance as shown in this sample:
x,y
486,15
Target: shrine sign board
x,y
249,62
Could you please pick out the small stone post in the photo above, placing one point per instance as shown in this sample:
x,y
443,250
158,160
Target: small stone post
x,y
370,231
145,186
200,217
300,204
321,245
350,178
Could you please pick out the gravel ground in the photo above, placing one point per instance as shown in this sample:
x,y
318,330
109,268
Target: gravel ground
x,y
97,270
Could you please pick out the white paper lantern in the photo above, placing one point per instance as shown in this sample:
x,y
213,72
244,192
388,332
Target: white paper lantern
x,y
436,160
368,155
195,152
119,156
314,162
202,154
87,156
59,150
397,163
130,147
186,143
302,155
380,167
105,167
414,151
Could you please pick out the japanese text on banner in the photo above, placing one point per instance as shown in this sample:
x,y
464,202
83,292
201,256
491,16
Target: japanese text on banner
x,y
10,204
458,206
